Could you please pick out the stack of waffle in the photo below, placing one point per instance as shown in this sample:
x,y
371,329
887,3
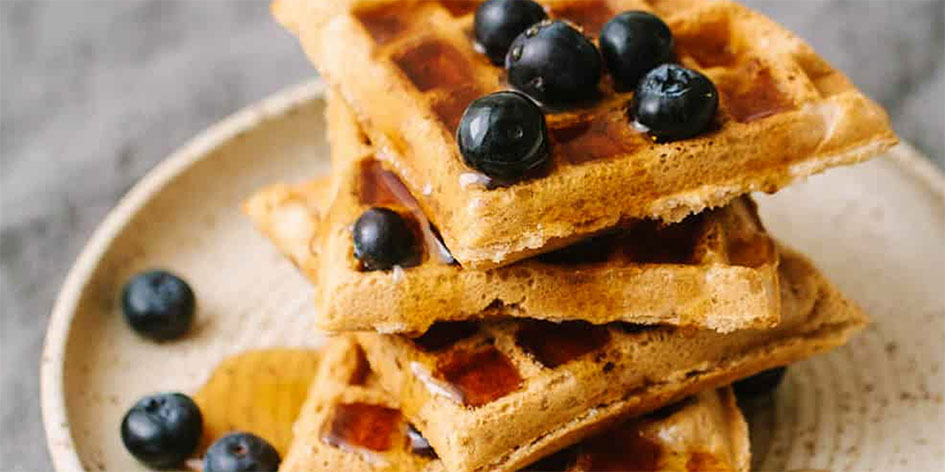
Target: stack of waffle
x,y
589,318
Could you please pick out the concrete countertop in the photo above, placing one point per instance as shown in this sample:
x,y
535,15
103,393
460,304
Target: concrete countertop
x,y
95,93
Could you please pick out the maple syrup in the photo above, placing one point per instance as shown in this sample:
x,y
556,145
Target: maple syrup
x,y
450,107
599,137
382,22
362,369
479,375
621,448
434,63
554,344
257,391
363,426
378,186
651,242
754,95
444,334
460,7
590,15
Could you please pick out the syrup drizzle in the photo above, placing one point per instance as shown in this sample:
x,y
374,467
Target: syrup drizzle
x,y
460,7
479,375
621,449
363,426
270,383
434,385
554,344
755,95
379,186
435,64
625,447
650,241
382,23
601,137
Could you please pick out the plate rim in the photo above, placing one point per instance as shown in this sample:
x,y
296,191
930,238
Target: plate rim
x,y
59,441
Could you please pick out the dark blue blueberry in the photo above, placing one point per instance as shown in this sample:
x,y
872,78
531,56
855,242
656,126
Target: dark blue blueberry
x,y
162,430
498,22
674,102
503,135
632,43
554,63
241,452
383,239
418,444
763,382
158,304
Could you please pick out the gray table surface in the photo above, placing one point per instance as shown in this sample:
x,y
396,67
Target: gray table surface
x,y
95,93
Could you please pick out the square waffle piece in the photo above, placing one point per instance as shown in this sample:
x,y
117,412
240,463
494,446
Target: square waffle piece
x,y
349,423
716,269
409,69
496,395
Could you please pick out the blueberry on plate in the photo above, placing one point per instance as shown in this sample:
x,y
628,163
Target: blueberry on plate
x,y
554,63
674,102
162,430
498,22
760,383
503,135
383,239
632,43
158,304
241,452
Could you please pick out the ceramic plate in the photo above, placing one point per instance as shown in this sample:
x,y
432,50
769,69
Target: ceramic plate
x,y
877,229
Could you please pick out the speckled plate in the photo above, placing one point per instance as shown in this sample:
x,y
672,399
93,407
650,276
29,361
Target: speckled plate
x,y
877,229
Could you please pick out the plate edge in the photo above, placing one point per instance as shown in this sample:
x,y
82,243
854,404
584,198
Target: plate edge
x,y
59,440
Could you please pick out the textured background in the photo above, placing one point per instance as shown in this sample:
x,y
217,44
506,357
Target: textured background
x,y
95,93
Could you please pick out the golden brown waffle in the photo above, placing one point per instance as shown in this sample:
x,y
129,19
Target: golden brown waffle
x,y
717,269
496,395
345,399
705,432
409,69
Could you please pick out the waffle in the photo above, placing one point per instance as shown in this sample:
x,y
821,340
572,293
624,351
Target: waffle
x,y
717,269
704,432
409,69
496,395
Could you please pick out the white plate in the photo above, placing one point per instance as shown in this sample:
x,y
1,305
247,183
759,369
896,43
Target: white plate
x,y
877,229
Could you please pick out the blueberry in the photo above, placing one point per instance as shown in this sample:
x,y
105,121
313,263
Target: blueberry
x,y
553,63
158,304
383,239
241,452
498,22
632,43
763,382
503,135
162,430
418,443
674,102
